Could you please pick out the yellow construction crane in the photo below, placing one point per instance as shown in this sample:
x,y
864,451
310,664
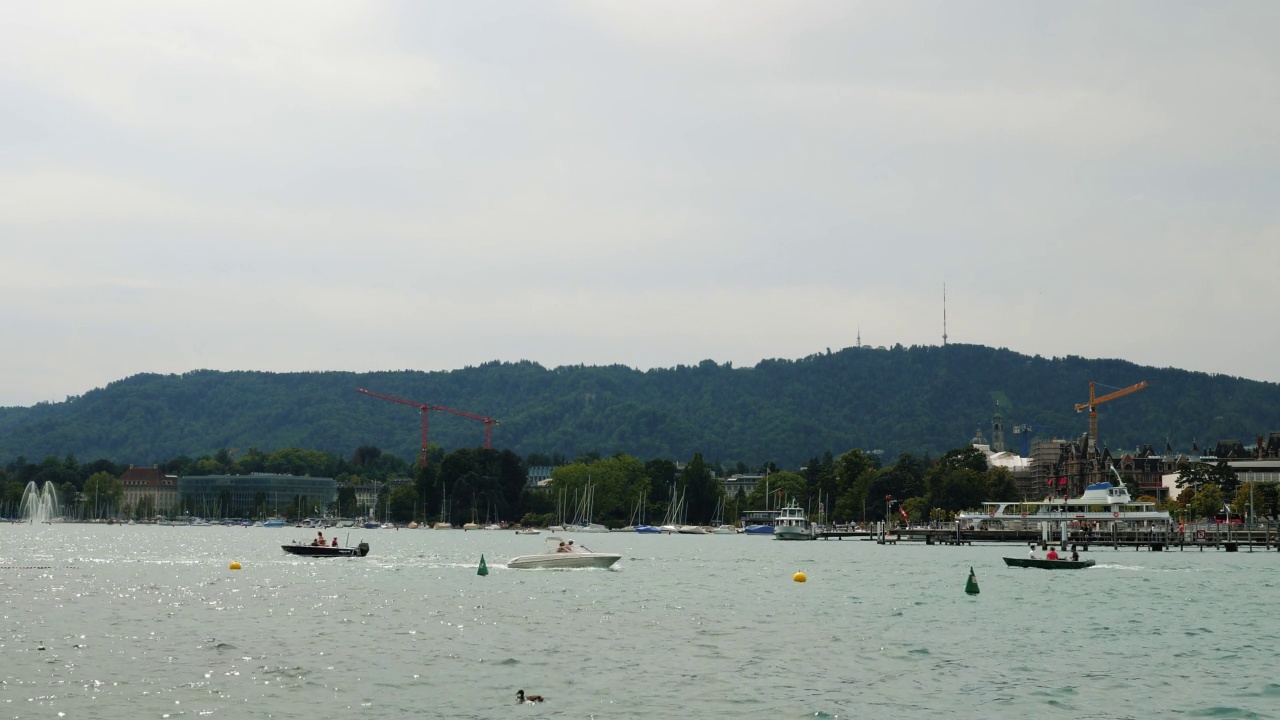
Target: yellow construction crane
x,y
1094,402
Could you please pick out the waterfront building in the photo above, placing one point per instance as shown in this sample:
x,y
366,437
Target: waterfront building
x,y
537,474
221,496
1019,467
149,491
1065,467
744,481
1258,463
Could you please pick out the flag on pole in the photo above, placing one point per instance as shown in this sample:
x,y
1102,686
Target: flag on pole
x,y
903,513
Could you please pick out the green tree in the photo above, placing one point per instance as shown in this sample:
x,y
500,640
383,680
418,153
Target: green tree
x,y
103,492
1207,502
403,499
780,489
1252,497
1193,475
702,492
917,509
1224,476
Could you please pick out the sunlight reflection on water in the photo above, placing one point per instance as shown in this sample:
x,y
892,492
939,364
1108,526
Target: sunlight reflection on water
x,y
141,621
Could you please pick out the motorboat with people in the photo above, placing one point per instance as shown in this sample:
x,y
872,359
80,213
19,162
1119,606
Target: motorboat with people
x,y
562,553
326,550
1063,564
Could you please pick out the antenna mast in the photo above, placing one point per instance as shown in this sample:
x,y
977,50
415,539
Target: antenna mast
x,y
944,314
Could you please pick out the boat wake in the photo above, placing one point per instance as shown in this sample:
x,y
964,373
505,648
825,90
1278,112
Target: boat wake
x,y
1119,566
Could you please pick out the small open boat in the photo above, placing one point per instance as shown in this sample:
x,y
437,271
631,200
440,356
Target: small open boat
x,y
559,554
327,550
1049,564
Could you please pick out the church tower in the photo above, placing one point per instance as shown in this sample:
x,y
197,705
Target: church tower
x,y
997,430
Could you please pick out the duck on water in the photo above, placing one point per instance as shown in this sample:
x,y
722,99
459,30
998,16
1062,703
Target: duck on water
x,y
522,699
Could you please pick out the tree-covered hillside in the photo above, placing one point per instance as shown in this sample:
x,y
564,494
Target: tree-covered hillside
x,y
922,400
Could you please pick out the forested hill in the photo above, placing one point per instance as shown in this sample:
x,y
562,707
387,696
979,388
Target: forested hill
x,y
918,400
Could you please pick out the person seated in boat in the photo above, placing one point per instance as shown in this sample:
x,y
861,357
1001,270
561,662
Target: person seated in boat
x,y
562,548
1032,554
335,541
319,539
1052,555
1075,556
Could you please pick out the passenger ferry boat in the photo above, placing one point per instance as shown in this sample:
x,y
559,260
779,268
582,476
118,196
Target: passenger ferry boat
x,y
1101,502
793,525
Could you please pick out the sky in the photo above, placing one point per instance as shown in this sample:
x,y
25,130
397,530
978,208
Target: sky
x,y
304,186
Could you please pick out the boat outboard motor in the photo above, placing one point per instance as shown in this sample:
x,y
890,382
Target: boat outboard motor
x,y
362,549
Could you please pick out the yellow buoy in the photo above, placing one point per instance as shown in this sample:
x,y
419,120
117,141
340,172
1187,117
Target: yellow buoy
x,y
235,565
799,577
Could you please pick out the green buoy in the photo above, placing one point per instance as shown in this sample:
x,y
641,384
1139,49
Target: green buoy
x,y
484,569
971,585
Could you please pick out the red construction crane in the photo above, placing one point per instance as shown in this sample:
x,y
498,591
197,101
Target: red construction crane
x,y
425,408
488,422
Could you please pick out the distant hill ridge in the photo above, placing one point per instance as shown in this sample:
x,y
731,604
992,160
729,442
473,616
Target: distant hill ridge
x,y
922,400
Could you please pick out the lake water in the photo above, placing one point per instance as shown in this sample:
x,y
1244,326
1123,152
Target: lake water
x,y
148,622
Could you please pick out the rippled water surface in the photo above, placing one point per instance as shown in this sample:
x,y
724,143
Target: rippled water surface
x,y
150,622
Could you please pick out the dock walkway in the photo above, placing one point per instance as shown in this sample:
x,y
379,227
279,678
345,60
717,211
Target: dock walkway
x,y
1266,538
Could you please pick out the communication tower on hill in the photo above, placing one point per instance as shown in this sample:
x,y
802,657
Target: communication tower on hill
x,y
944,314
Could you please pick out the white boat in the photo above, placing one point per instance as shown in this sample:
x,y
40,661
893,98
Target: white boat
x,y
691,530
561,553
1101,502
582,522
793,525
442,526
717,524
674,520
528,531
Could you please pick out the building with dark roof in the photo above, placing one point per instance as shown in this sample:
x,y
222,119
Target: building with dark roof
x,y
149,492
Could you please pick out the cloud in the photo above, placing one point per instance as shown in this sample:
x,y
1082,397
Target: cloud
x,y
228,71
642,183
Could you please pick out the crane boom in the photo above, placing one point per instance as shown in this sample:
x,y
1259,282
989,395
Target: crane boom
x,y
1094,402
425,408
488,422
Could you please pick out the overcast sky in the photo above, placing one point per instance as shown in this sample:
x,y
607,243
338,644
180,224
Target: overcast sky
x,y
413,185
